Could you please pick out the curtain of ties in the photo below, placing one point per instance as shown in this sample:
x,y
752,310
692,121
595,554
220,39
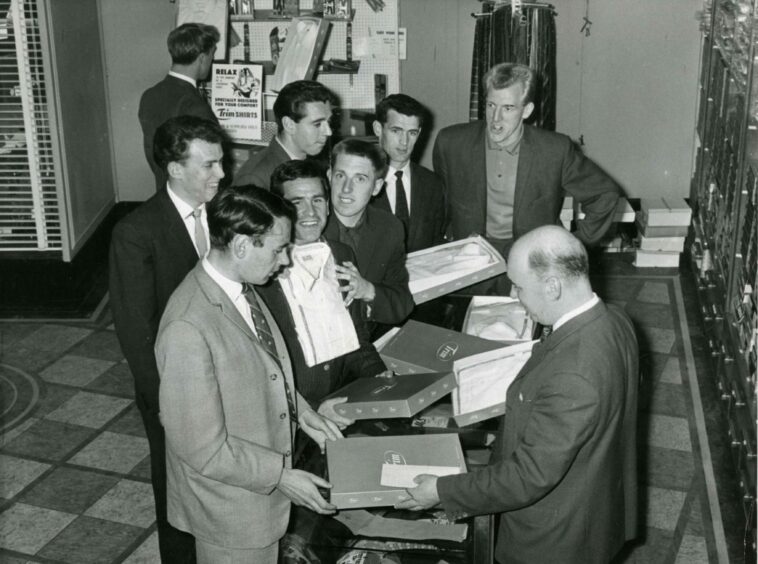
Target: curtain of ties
x,y
527,38
266,339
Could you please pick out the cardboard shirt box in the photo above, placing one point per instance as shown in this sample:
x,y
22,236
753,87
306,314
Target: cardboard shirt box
x,y
660,230
484,379
665,211
355,465
418,347
306,38
400,396
450,267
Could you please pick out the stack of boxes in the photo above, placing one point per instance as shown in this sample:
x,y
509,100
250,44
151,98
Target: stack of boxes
x,y
662,225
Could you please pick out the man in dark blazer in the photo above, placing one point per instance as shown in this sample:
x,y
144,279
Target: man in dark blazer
x,y
375,236
152,250
303,183
302,111
192,47
420,206
228,402
503,178
563,474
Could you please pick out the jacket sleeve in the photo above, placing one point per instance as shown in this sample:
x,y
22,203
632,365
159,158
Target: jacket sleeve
x,y
562,418
439,162
193,416
393,302
594,190
365,361
134,306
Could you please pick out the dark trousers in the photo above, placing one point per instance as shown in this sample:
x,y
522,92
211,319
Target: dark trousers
x,y
176,547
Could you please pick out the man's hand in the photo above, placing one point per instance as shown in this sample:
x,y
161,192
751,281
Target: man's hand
x,y
326,409
319,428
357,287
302,488
423,496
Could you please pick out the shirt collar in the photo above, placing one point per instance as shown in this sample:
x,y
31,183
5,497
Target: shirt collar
x,y
286,150
391,170
230,287
183,77
185,210
576,311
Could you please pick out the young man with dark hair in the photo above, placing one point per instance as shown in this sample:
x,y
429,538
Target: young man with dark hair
x,y
192,47
152,250
228,399
413,193
379,277
302,110
328,342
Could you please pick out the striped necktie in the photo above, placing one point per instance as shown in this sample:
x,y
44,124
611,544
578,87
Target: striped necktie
x,y
267,341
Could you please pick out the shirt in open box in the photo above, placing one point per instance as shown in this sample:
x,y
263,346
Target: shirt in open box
x,y
318,381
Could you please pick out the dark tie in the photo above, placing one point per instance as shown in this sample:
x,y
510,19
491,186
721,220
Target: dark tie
x,y
267,341
546,330
401,202
200,241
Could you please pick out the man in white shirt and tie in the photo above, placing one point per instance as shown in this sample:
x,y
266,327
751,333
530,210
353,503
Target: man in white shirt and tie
x,y
152,250
420,205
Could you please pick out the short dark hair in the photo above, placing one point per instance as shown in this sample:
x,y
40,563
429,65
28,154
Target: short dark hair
x,y
294,96
365,149
569,263
172,139
245,210
294,170
504,75
188,41
402,104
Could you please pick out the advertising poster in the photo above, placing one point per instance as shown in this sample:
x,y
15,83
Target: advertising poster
x,y
237,100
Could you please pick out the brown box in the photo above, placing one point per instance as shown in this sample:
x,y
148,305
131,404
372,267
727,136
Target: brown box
x,y
418,347
399,396
450,267
355,465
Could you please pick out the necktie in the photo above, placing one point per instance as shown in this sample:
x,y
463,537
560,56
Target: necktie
x,y
267,341
401,202
200,241
546,330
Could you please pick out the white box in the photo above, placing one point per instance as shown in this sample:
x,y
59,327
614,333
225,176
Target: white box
x,y
498,318
659,259
665,211
671,244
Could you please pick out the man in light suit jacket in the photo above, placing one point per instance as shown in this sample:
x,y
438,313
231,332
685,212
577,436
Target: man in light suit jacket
x,y
192,47
152,250
563,475
503,178
421,205
228,399
302,111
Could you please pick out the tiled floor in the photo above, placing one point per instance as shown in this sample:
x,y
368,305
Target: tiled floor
x,y
74,465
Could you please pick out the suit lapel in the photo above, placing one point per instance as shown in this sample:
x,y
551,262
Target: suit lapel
x,y
217,297
176,231
418,206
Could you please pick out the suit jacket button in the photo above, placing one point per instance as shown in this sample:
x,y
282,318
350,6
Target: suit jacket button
x,y
282,416
326,366
273,376
288,453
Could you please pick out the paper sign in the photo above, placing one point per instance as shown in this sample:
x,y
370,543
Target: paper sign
x,y
381,44
236,100
401,475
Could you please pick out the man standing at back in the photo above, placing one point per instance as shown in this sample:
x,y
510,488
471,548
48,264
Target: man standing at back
x,y
413,193
152,250
302,110
563,476
504,178
192,47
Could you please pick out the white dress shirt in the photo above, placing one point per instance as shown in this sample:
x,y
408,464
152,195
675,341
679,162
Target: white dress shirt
x,y
391,181
324,327
576,311
185,211
232,289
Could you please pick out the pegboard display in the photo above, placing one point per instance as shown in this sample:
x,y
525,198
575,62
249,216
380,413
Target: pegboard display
x,y
355,91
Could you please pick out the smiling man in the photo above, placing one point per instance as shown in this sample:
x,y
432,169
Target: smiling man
x,y
413,193
503,178
302,110
328,342
228,400
379,277
152,250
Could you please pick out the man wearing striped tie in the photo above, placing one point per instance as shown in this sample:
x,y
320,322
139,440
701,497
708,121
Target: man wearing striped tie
x,y
228,401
